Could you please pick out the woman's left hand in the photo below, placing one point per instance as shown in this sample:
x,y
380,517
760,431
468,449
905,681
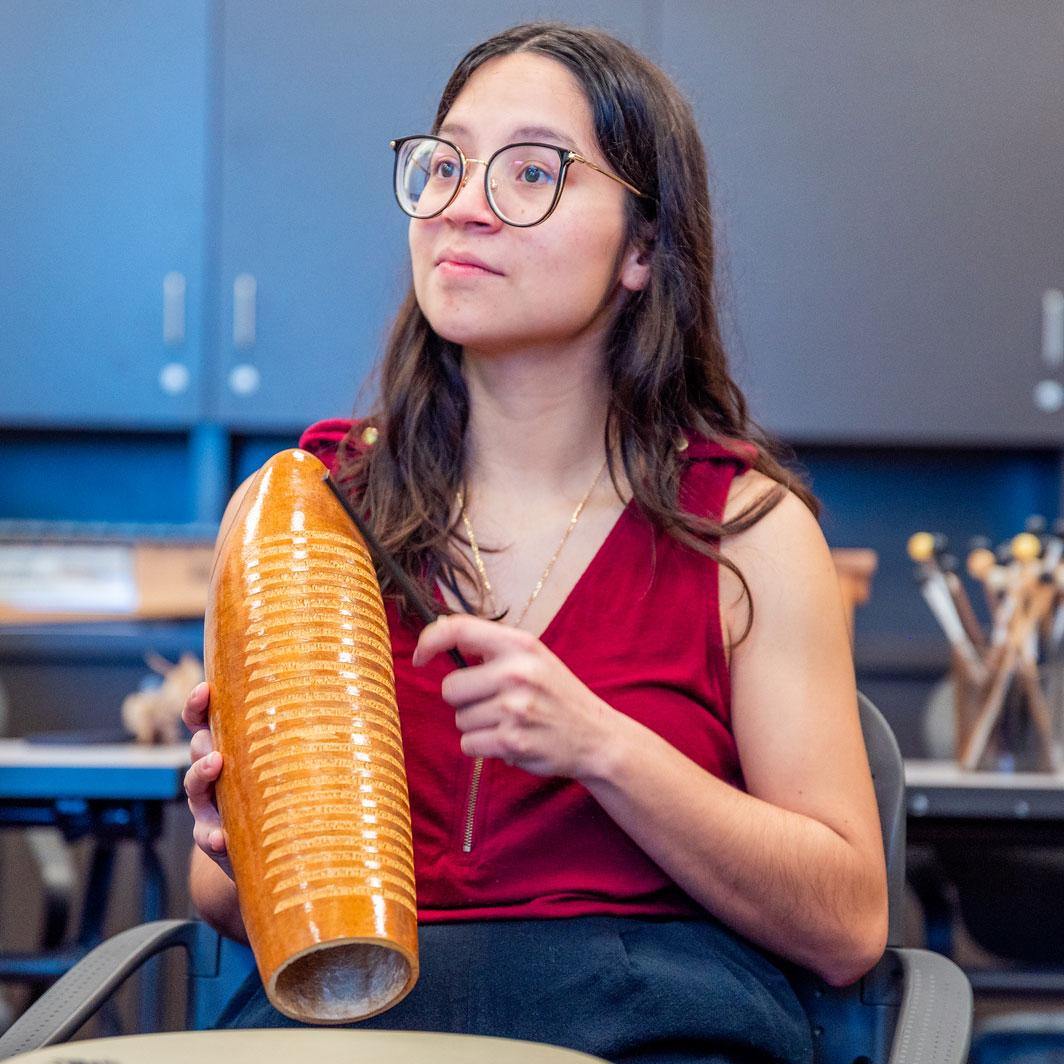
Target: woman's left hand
x,y
520,703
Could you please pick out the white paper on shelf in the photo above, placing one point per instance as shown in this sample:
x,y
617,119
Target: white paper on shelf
x,y
64,577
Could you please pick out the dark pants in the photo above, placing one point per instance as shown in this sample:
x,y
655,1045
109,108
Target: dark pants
x,y
630,990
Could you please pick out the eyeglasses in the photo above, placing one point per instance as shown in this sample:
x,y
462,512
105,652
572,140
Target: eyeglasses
x,y
522,182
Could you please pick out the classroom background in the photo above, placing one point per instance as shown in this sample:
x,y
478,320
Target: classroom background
x,y
199,256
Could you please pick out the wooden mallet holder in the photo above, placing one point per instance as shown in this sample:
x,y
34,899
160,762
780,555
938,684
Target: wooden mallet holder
x,y
999,670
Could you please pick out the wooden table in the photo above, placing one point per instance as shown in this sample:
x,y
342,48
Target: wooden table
x,y
312,1046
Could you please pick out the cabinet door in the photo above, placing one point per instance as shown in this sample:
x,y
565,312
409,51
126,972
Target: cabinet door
x,y
888,192
102,121
313,246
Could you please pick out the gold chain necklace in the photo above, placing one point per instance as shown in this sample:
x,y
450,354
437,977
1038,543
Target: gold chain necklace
x,y
478,562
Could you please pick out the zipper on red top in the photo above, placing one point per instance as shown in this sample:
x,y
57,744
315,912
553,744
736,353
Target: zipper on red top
x,y
471,805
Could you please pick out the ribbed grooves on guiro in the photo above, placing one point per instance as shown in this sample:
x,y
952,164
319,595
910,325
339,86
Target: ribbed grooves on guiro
x,y
320,702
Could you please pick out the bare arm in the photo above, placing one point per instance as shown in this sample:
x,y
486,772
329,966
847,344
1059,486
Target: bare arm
x,y
214,895
796,863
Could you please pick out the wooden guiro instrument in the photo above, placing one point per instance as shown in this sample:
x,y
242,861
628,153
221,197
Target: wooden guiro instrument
x,y
313,790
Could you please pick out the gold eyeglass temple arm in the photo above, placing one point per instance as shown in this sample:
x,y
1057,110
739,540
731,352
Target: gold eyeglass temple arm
x,y
620,180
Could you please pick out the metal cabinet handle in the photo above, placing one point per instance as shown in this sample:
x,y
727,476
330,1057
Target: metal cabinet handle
x,y
1049,396
174,378
1053,327
244,379
244,289
174,288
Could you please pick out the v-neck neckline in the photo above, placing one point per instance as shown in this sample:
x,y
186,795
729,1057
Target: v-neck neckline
x,y
565,606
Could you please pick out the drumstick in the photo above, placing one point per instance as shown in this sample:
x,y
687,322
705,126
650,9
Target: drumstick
x,y
393,567
936,593
948,564
1025,549
1002,669
1056,624
1056,630
1052,554
1027,552
1007,659
979,736
982,566
1052,547
1041,596
1010,575
1041,714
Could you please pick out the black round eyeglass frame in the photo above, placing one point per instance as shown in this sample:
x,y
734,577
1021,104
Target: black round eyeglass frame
x,y
566,157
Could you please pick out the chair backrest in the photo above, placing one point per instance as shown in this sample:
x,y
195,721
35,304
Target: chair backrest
x,y
856,1023
888,777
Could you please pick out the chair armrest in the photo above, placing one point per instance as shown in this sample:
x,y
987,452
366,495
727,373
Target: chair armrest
x,y
75,997
935,1018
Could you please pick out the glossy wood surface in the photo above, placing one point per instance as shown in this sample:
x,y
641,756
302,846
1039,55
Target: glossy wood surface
x,y
321,1047
313,788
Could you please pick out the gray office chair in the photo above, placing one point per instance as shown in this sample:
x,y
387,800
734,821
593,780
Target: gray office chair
x,y
914,1007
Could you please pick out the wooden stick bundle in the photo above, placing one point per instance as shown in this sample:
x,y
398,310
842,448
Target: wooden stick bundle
x,y
991,670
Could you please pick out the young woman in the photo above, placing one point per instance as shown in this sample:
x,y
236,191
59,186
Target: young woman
x,y
650,786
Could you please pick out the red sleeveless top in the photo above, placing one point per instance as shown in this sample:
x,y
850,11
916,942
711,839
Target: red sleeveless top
x,y
641,628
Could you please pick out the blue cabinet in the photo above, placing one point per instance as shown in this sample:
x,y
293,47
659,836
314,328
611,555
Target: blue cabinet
x,y
196,222
102,189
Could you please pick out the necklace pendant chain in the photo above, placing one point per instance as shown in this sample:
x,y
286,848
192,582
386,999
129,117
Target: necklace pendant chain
x,y
478,561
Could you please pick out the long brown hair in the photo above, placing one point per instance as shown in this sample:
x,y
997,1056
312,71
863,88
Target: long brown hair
x,y
665,361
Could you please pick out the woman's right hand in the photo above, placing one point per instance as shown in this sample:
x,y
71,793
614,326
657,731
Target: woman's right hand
x,y
201,778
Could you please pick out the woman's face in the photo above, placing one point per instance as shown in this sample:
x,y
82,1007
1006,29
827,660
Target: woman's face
x,y
489,286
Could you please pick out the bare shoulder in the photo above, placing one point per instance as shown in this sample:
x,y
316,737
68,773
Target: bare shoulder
x,y
783,557
787,530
